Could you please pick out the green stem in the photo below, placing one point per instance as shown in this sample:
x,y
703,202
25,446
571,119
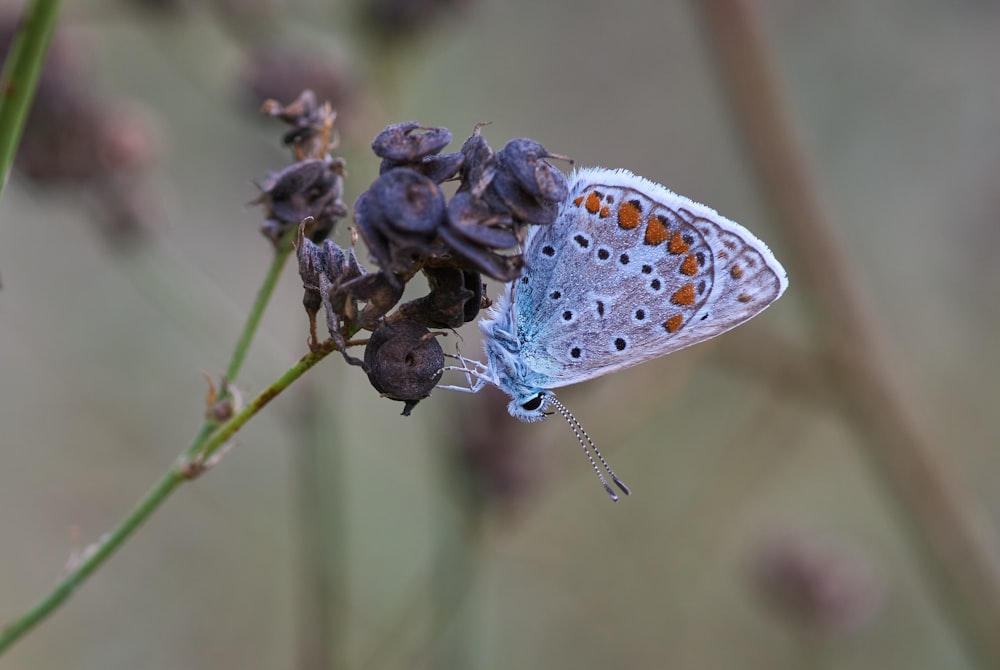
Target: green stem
x,y
257,311
20,76
190,464
184,469
226,430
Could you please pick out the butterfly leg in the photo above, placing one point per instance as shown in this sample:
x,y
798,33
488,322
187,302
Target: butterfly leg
x,y
477,376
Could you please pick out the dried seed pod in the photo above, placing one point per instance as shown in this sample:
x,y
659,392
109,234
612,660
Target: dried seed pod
x,y
410,203
312,134
524,160
439,168
478,163
324,269
477,223
404,361
310,266
498,266
399,143
506,195
309,188
398,217
455,298
376,290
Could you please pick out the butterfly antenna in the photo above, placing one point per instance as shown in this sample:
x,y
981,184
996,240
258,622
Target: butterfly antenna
x,y
581,434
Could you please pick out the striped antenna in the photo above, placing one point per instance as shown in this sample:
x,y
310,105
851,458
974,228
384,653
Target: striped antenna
x,y
581,435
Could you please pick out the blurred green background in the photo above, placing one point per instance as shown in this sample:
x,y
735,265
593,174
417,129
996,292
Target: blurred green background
x,y
338,534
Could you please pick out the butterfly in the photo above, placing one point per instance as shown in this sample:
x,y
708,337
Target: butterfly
x,y
629,271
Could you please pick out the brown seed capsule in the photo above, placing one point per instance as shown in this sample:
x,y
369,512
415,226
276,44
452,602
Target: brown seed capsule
x,y
310,189
399,143
404,362
455,298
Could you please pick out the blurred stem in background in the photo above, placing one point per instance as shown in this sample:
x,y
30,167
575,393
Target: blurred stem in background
x,y
322,535
489,468
21,71
456,639
954,552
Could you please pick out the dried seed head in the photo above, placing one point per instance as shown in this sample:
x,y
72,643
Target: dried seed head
x,y
400,145
310,189
410,227
377,291
312,134
454,299
398,217
404,362
478,162
524,160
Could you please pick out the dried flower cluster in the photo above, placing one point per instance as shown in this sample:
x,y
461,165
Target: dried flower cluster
x,y
410,228
309,191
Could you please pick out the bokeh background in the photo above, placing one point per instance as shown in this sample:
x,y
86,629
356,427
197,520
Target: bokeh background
x,y
764,531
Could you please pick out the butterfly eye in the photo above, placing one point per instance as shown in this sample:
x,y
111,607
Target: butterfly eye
x,y
533,404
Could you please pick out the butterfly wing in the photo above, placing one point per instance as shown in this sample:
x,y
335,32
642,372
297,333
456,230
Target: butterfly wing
x,y
631,271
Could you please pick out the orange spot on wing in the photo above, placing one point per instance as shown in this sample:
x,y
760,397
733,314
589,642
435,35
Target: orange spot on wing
x,y
629,215
593,203
656,231
736,272
690,265
684,296
604,212
578,200
674,323
744,297
677,244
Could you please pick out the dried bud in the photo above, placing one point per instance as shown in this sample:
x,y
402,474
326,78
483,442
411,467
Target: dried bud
x,y
439,168
312,134
455,298
326,270
404,361
477,223
304,190
482,257
399,144
478,163
376,290
398,217
524,160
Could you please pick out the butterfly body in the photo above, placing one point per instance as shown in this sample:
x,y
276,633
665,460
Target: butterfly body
x,y
629,271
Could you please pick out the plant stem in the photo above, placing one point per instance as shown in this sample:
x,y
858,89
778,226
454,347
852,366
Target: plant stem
x,y
20,76
180,472
263,298
188,466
